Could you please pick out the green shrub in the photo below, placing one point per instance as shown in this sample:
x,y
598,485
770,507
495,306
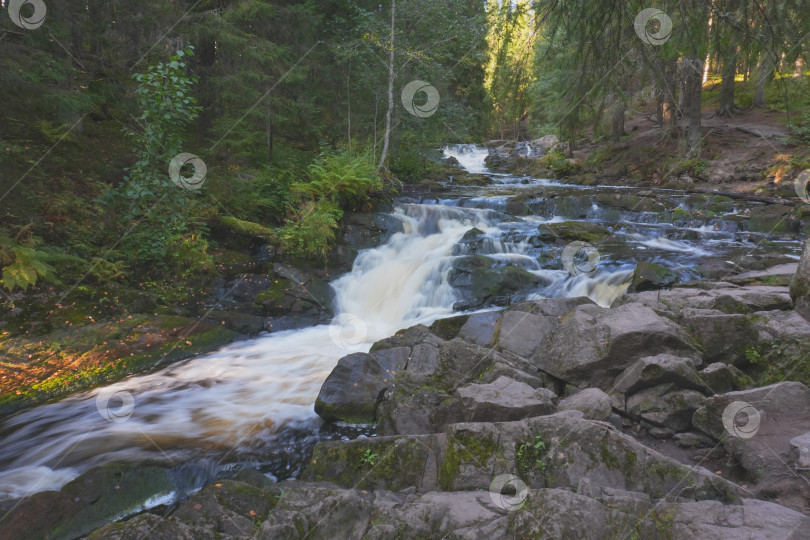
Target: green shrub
x,y
337,180
189,255
23,265
311,230
557,162
346,179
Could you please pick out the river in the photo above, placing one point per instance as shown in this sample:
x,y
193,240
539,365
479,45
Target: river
x,y
252,402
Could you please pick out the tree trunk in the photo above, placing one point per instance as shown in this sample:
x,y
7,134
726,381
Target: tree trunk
x,y
390,111
669,124
617,120
694,87
269,134
727,107
764,74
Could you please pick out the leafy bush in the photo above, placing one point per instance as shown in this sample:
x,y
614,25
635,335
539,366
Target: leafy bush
x,y
23,264
343,178
337,180
312,229
557,163
189,255
801,130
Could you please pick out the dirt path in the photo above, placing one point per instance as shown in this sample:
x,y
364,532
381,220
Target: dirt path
x,y
738,153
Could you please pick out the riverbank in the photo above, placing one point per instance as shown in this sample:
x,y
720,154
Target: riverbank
x,y
554,418
489,241
748,152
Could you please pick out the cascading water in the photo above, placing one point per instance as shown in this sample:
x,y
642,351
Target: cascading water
x,y
230,403
470,156
245,401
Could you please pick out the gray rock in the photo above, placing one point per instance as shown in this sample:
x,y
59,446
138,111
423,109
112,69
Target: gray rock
x,y
720,378
545,143
353,389
750,518
594,404
149,526
659,369
723,337
504,400
759,435
480,328
650,277
592,345
802,447
521,333
94,499
665,406
800,284
572,449
690,439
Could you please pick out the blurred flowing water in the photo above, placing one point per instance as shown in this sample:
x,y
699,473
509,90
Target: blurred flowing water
x,y
252,402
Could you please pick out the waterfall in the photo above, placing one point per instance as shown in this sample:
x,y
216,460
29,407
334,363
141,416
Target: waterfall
x,y
470,156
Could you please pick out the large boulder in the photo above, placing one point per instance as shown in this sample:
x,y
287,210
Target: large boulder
x,y
720,378
649,276
723,337
756,427
665,406
569,231
97,497
592,402
504,400
424,401
659,369
800,284
483,281
354,387
592,345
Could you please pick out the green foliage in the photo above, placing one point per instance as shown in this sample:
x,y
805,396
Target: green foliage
x,y
557,163
23,265
311,230
190,256
167,106
800,130
342,178
336,180
368,458
105,271
530,455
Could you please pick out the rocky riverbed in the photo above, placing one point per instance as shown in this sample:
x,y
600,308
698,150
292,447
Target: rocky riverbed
x,y
498,390
554,418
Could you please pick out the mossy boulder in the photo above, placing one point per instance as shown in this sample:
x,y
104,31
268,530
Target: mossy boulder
x,y
92,500
800,284
650,276
569,231
483,281
392,463
772,219
353,389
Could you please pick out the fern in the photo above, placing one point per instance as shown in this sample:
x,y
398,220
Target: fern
x,y
340,177
311,230
29,266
